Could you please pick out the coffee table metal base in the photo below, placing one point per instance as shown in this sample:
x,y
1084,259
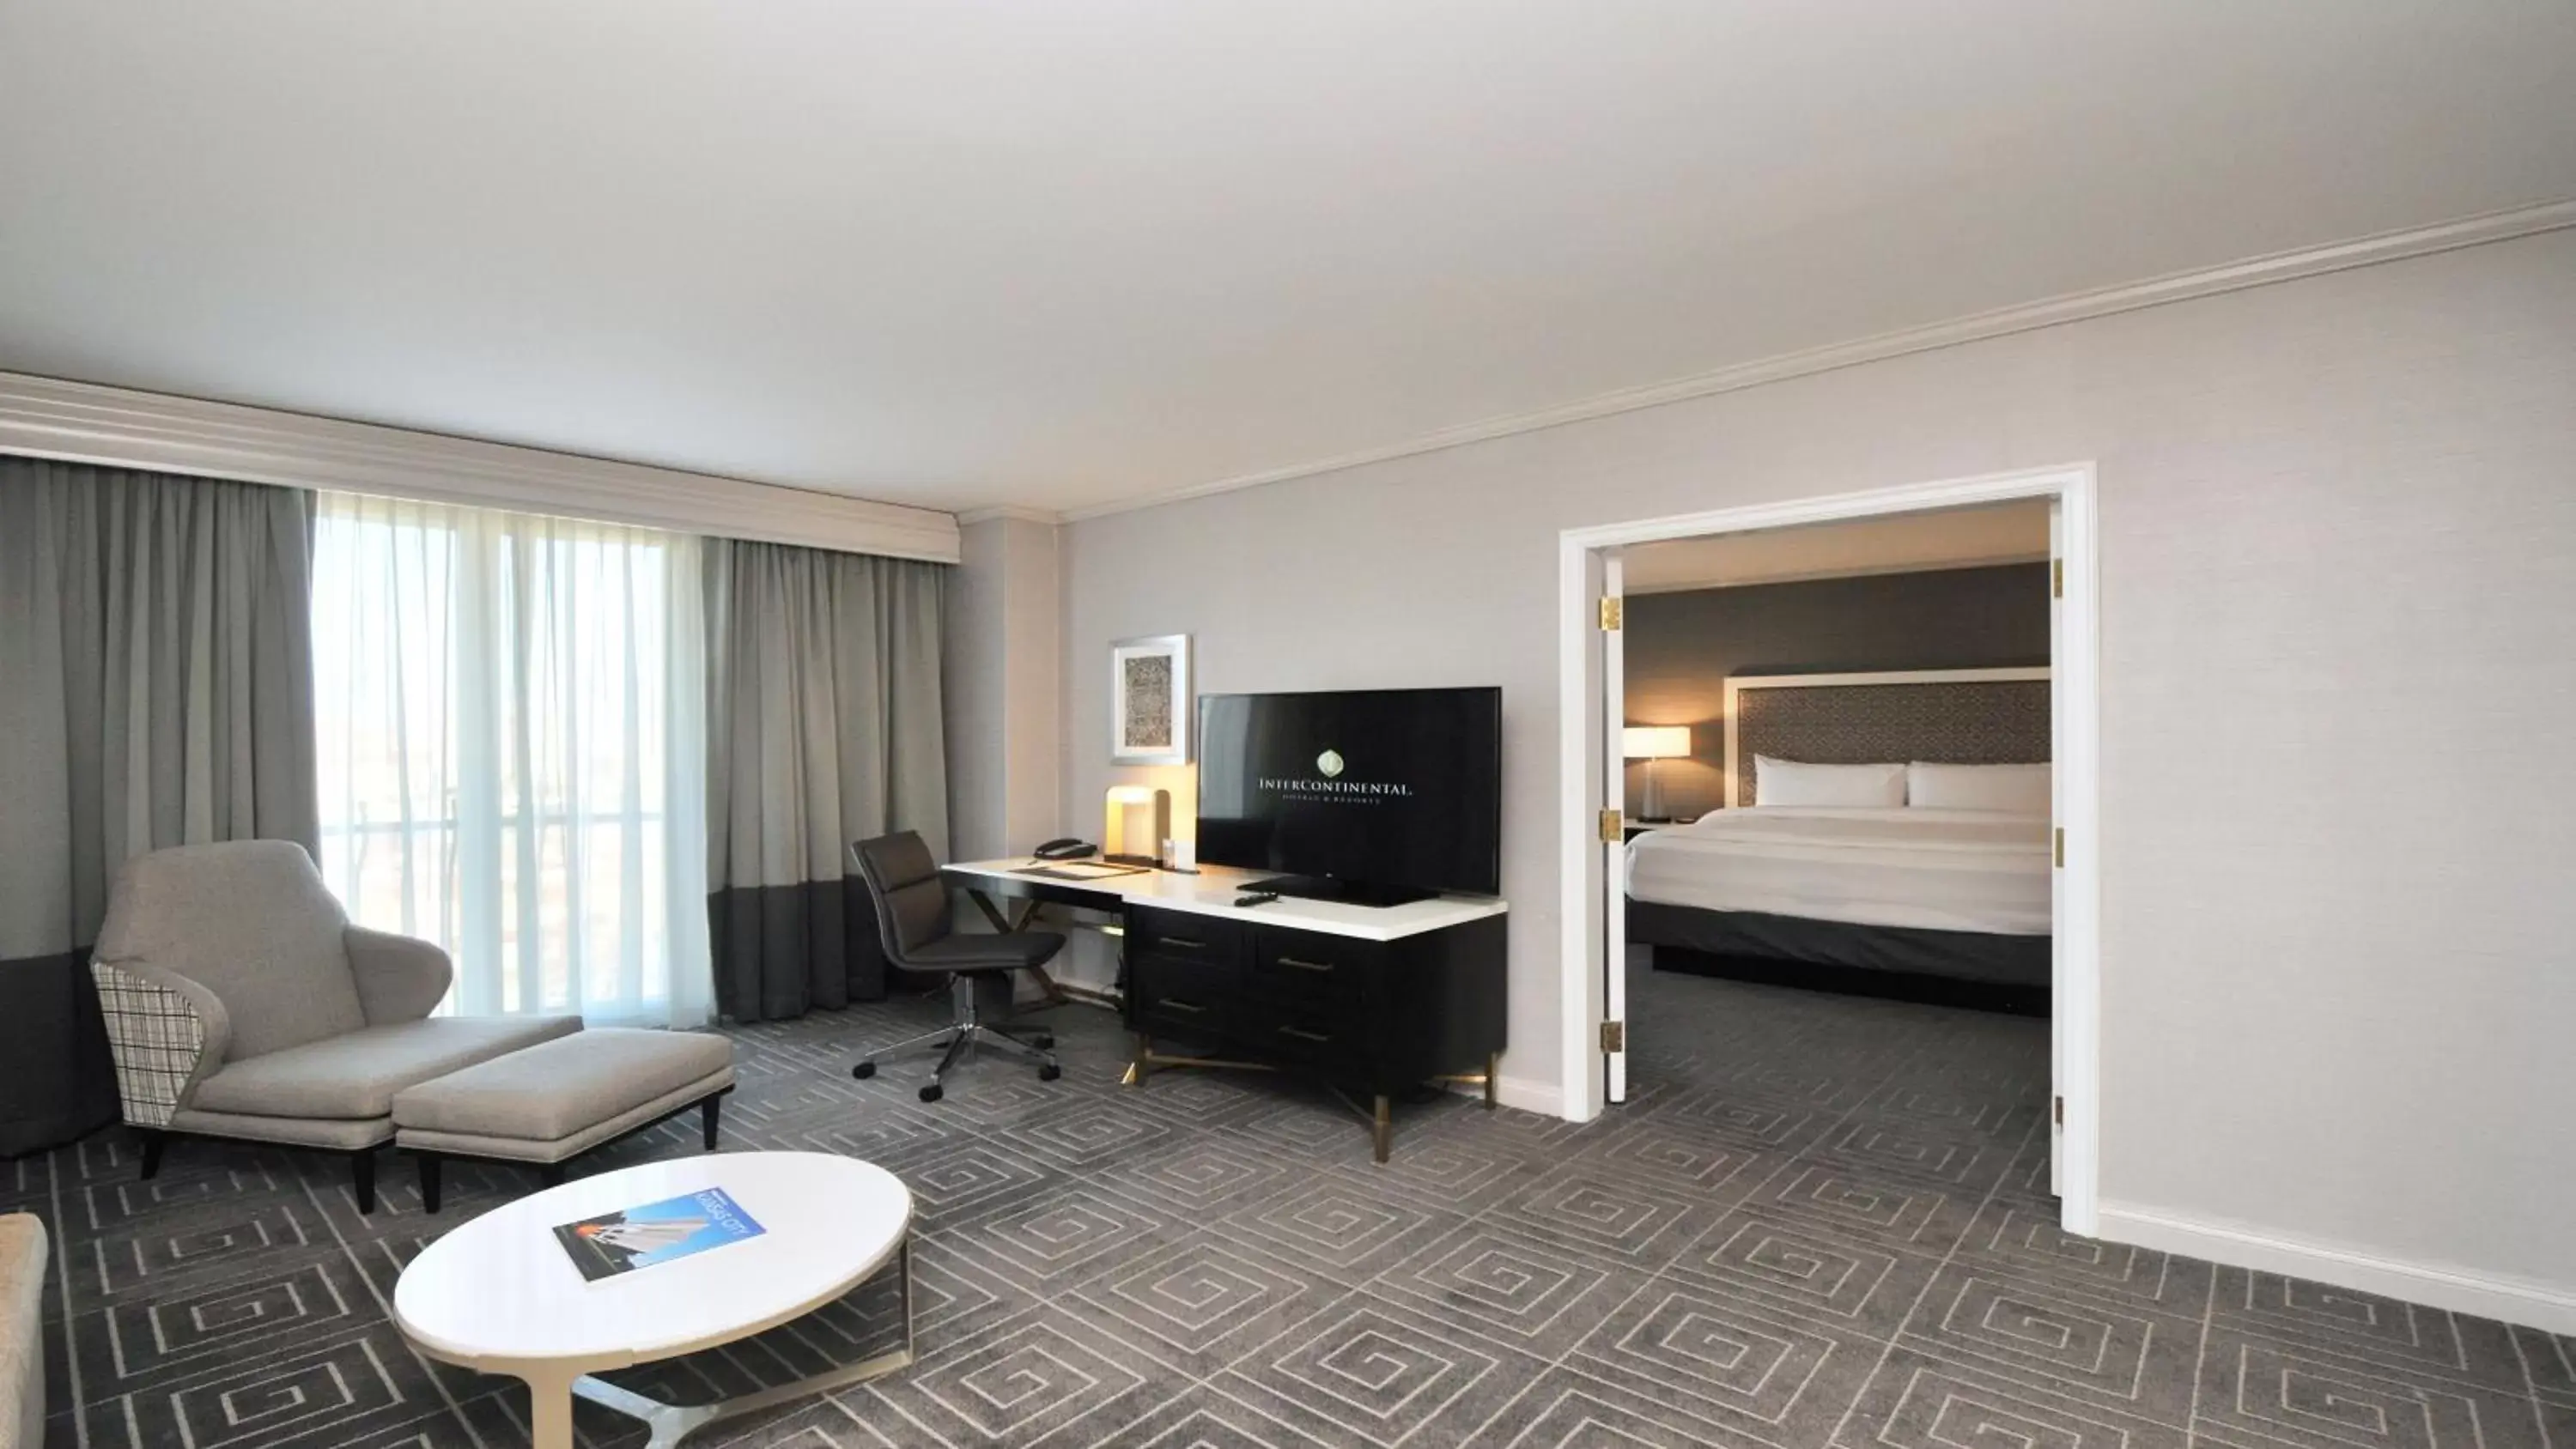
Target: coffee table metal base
x,y
551,1406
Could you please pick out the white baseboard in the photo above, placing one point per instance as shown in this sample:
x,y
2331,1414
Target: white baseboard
x,y
1518,1092
2513,1300
1528,1096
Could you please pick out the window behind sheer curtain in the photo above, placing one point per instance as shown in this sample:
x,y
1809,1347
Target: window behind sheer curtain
x,y
509,719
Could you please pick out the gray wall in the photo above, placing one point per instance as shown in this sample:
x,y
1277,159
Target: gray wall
x,y
2338,518
1002,653
1681,646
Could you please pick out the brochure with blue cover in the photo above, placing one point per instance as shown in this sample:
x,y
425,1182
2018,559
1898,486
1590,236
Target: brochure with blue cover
x,y
657,1232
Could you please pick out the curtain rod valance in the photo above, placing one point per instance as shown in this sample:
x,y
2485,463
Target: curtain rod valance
x,y
87,423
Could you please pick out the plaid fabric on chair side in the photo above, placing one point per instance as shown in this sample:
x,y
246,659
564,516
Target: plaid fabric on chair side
x,y
156,1039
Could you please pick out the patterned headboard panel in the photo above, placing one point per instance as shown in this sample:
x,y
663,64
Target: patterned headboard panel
x,y
1957,717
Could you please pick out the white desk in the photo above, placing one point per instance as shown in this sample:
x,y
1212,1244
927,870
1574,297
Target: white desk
x,y
1212,892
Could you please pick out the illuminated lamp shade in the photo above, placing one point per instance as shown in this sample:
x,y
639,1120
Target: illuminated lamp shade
x,y
1651,743
1654,742
1139,819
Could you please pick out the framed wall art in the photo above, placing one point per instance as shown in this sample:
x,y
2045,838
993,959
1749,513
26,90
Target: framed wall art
x,y
1150,702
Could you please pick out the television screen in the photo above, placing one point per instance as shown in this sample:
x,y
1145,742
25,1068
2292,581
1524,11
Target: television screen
x,y
1369,794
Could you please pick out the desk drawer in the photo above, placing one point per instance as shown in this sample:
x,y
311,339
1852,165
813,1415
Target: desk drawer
x,y
1311,966
1323,1034
1194,999
1182,935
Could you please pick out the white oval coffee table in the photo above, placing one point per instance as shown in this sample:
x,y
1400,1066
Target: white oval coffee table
x,y
499,1294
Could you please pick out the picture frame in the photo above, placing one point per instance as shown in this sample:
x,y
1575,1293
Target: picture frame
x,y
1150,700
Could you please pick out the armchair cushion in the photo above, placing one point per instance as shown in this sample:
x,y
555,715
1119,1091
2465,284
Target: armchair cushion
x,y
166,1033
399,978
331,1134
249,921
356,1075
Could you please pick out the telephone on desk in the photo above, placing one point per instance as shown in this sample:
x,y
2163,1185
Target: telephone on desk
x,y
1065,848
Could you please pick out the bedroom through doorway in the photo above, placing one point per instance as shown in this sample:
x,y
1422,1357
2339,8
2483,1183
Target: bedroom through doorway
x,y
1831,762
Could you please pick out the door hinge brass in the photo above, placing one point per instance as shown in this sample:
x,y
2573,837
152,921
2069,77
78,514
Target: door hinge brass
x,y
2057,1111
2057,578
1612,828
1614,1036
1612,610
2061,848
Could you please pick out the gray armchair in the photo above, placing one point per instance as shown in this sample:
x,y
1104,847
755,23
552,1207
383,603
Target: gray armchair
x,y
241,1003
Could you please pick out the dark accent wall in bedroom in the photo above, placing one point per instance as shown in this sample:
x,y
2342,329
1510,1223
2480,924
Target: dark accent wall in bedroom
x,y
1682,646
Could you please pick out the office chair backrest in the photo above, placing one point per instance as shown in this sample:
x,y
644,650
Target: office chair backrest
x,y
903,881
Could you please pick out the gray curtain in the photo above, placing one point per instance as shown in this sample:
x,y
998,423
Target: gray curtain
x,y
823,727
156,689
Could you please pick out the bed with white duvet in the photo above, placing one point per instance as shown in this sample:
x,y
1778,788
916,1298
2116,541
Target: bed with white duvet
x,y
1908,867
1830,895
1877,826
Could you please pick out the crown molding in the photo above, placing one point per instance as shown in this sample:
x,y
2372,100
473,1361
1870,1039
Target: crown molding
x,y
2263,271
1011,511
1814,576
118,427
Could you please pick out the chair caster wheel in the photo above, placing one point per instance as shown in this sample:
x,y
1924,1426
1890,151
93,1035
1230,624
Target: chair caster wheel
x,y
1049,1072
864,1070
930,1093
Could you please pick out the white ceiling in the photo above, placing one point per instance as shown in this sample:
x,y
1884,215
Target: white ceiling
x,y
1947,539
1051,254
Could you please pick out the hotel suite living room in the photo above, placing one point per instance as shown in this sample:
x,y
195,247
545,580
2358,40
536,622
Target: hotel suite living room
x,y
1328,725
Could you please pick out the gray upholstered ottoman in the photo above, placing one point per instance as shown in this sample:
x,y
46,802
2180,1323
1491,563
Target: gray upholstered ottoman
x,y
22,1331
554,1101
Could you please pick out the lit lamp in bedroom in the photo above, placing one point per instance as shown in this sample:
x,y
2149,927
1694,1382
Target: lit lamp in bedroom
x,y
1651,743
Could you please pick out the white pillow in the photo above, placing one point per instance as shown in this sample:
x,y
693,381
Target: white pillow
x,y
2018,789
1789,782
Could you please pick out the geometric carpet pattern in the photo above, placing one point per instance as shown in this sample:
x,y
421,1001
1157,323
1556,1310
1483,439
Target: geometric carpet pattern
x,y
1823,1223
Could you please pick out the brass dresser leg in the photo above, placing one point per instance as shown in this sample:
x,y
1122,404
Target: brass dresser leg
x,y
1142,1062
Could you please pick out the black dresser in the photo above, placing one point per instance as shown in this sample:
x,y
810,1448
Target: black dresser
x,y
1370,1018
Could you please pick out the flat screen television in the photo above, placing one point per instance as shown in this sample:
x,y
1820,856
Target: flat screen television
x,y
1376,796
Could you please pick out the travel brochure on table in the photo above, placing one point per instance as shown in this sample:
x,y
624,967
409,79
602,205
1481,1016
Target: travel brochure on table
x,y
657,1232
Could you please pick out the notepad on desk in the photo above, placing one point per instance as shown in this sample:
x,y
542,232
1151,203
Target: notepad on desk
x,y
1081,870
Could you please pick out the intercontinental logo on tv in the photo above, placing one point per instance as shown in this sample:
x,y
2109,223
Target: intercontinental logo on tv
x,y
1328,783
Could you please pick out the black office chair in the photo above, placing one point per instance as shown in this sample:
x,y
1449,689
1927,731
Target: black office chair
x,y
913,920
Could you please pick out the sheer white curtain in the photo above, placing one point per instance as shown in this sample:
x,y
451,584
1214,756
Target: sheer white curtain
x,y
510,721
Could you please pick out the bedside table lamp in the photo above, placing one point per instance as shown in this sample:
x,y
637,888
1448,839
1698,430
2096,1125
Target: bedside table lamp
x,y
1651,743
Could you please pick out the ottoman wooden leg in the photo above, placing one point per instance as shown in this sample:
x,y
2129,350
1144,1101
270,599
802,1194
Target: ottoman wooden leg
x,y
429,1165
711,1117
362,1177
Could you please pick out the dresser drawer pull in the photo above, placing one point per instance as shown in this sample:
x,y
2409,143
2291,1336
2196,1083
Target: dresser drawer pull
x,y
1303,1035
1177,1004
1295,964
1186,943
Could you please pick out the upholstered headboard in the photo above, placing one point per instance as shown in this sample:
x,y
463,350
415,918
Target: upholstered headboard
x,y
1947,716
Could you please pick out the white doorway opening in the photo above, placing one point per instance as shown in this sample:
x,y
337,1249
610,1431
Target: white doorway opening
x,y
1592,789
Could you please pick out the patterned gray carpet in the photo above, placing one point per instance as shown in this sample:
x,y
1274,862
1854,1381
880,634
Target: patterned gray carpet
x,y
1824,1222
